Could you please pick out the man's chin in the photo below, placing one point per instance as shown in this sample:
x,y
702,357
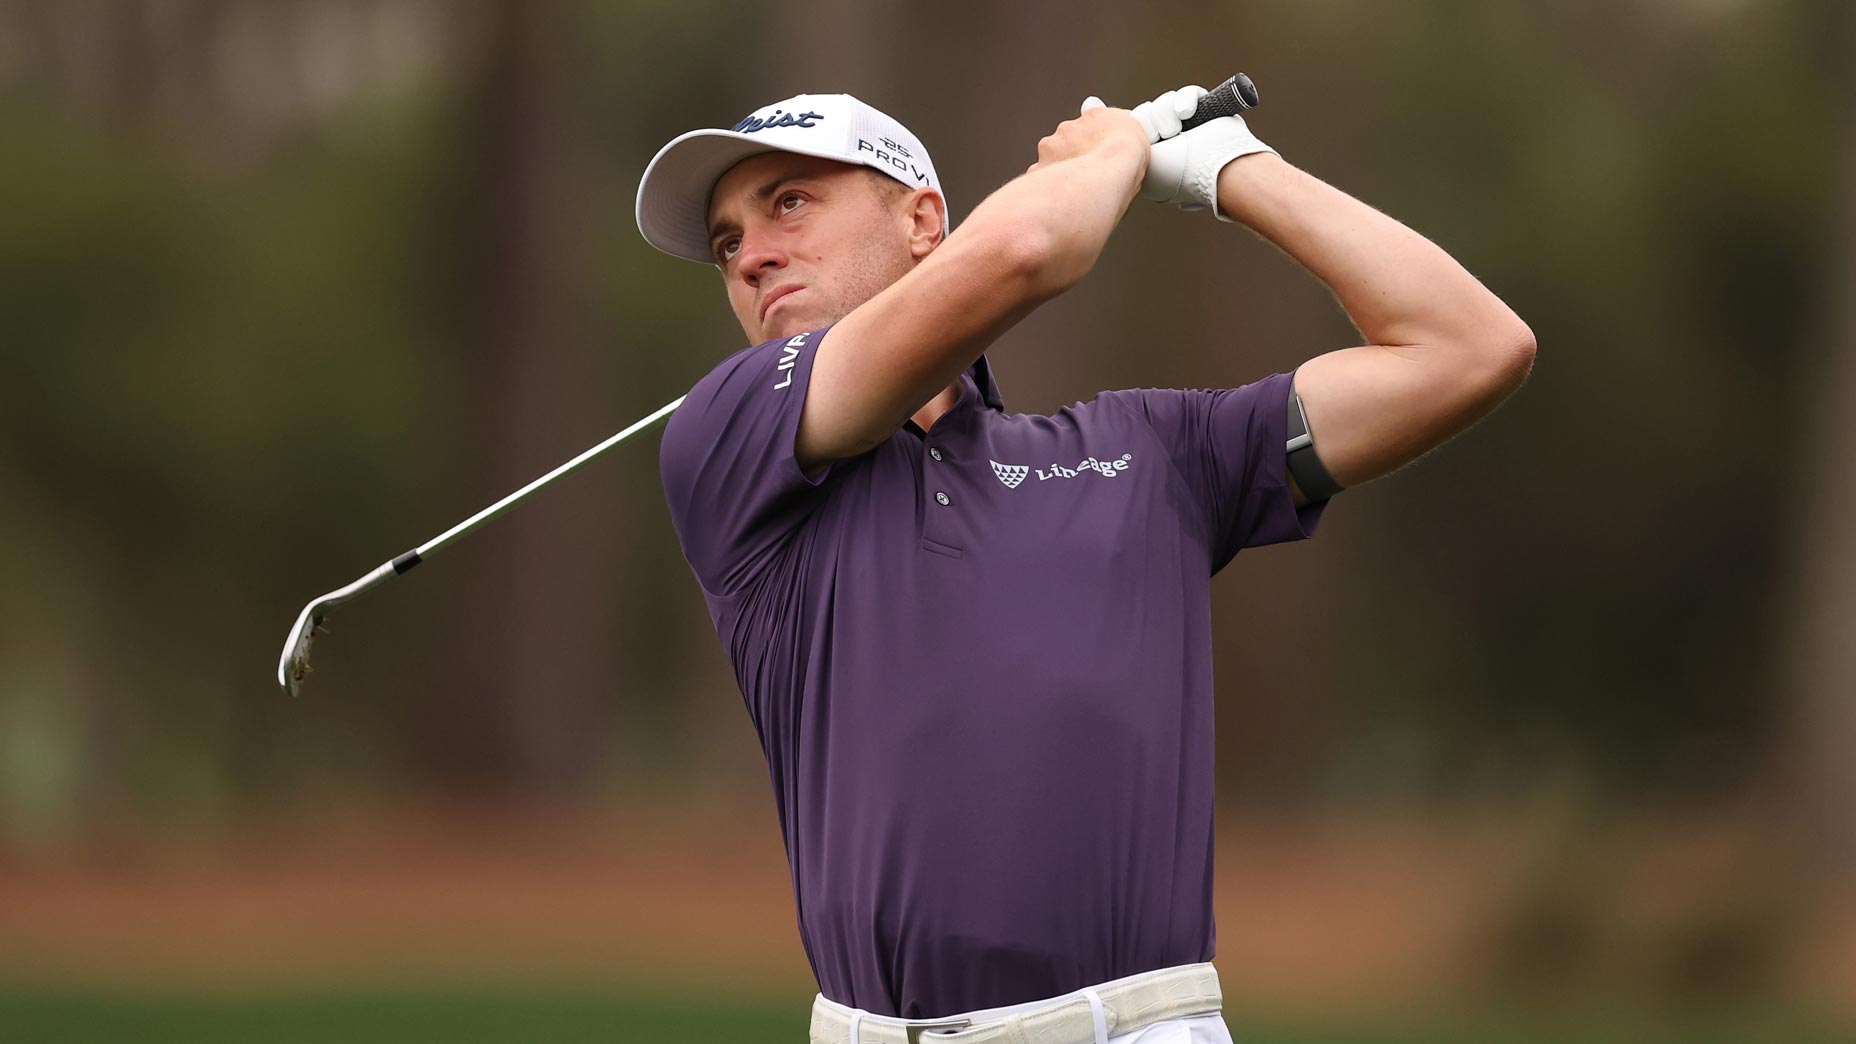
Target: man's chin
x,y
793,321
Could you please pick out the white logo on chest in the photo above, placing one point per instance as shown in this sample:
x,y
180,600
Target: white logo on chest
x,y
1010,474
1013,474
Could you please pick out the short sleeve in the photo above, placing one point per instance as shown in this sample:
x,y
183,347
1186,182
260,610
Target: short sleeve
x,y
1230,447
735,490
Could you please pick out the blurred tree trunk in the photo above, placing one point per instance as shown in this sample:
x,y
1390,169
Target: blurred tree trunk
x,y
1043,58
513,706
1821,638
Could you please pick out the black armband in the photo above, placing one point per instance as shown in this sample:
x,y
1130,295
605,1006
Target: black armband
x,y
1307,468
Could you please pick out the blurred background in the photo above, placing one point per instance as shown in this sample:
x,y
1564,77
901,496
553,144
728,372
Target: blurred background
x,y
1547,737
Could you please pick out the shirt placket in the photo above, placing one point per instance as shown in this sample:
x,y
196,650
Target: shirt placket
x,y
940,523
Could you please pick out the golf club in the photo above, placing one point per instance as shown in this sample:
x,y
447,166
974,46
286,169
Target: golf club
x,y
1233,95
294,664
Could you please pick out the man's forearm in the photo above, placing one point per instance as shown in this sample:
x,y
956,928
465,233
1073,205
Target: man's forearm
x,y
1398,287
1070,207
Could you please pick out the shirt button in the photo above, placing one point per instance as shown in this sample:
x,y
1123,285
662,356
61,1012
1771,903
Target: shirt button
x,y
935,453
941,499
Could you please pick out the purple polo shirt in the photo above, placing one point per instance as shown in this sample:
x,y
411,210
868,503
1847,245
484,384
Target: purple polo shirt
x,y
979,660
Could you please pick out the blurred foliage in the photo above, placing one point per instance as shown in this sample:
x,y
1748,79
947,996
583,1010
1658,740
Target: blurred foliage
x,y
290,287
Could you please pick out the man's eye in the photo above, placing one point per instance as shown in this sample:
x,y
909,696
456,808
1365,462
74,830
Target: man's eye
x,y
790,197
726,249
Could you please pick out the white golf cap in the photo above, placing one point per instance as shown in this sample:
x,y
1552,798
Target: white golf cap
x,y
673,195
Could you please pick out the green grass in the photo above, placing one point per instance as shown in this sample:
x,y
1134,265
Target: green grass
x,y
468,1017
388,1018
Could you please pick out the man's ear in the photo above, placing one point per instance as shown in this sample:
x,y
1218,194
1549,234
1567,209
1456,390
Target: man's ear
x,y
927,221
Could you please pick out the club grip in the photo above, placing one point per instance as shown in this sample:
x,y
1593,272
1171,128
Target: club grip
x,y
1227,99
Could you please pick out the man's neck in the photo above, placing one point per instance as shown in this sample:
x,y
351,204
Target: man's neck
x,y
926,416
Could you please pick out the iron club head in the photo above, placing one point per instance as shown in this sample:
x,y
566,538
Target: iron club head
x,y
294,664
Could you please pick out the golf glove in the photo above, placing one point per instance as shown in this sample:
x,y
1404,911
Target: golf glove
x,y
1182,169
1164,116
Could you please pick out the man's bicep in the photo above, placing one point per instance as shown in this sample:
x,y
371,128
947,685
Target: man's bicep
x,y
733,486
1375,408
1247,445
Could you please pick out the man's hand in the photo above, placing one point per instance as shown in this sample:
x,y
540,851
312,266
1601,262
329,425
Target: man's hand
x,y
1182,169
1098,129
1164,116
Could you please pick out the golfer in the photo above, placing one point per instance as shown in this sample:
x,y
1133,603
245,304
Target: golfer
x,y
976,645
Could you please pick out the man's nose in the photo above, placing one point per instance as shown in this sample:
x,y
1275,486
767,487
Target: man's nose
x,y
760,255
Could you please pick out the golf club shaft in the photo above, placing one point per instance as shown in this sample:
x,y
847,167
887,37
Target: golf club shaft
x,y
294,663
416,555
1233,95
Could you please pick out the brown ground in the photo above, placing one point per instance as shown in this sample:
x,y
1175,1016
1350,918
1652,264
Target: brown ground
x,y
1360,916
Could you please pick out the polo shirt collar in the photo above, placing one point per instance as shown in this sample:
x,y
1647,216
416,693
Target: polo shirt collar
x,y
981,372
976,382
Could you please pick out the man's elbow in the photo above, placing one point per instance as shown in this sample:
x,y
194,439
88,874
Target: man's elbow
x,y
1039,262
1031,260
1513,353
1502,361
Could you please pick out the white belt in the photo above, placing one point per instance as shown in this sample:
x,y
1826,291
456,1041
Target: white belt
x,y
1091,1014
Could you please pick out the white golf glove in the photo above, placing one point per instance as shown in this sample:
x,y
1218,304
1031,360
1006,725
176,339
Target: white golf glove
x,y
1164,116
1182,169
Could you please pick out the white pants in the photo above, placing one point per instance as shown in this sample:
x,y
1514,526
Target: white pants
x,y
1208,1028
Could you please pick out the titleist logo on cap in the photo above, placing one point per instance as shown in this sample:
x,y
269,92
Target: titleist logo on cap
x,y
778,119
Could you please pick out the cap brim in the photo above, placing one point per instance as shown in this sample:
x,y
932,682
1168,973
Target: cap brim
x,y
673,195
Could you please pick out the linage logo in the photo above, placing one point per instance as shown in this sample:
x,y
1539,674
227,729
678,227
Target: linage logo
x,y
893,154
778,119
789,354
1013,474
